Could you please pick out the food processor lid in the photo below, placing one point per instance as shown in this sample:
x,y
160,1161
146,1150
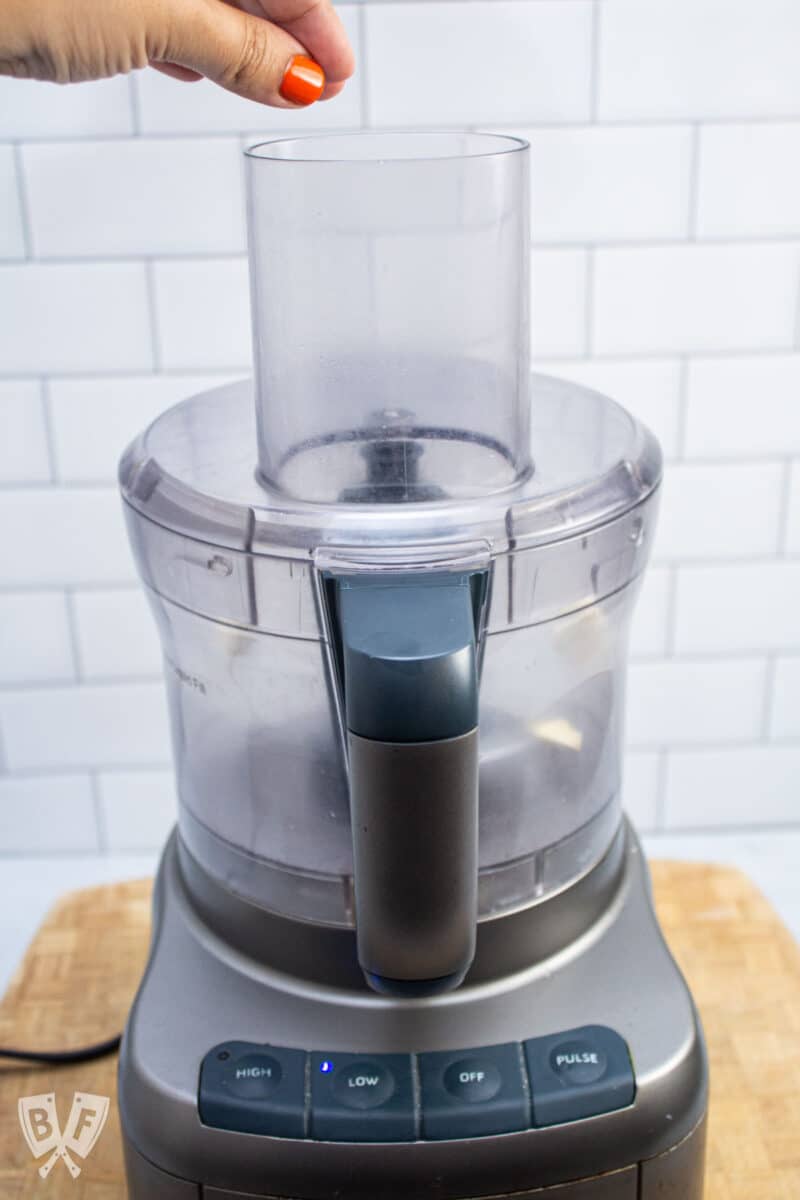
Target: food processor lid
x,y
194,471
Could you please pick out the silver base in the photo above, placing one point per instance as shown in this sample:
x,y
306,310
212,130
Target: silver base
x,y
199,990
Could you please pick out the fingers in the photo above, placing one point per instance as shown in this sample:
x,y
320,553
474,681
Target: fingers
x,y
176,72
317,25
243,53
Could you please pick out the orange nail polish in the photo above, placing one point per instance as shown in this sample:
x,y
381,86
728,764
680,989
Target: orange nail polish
x,y
303,82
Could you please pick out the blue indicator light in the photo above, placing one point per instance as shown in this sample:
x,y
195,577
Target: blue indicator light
x,y
326,1067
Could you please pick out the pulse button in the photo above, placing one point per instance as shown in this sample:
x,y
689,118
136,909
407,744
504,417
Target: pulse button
x,y
579,1062
579,1074
360,1098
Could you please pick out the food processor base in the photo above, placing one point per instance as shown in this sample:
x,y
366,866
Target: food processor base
x,y
601,1041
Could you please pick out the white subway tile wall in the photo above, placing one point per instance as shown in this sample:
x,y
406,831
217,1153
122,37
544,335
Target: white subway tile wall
x,y
793,512
486,61
115,635
48,110
695,59
744,407
74,317
48,814
558,304
65,727
720,510
24,455
93,420
610,184
120,199
750,185
202,309
641,787
695,297
137,808
785,716
666,272
35,639
12,232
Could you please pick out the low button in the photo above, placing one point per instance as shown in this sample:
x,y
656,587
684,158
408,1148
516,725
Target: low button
x,y
363,1084
362,1098
473,1079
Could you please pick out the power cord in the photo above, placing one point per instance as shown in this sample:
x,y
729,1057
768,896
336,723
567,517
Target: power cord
x,y
84,1054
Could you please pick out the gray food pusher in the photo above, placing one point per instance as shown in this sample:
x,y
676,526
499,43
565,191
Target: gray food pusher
x,y
404,944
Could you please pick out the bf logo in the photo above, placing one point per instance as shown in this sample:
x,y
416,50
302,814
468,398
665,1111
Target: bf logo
x,y
39,1121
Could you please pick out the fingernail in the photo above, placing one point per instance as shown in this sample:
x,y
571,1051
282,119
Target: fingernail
x,y
303,82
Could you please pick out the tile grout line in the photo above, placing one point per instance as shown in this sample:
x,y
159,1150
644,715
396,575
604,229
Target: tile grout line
x,y
49,430
74,636
152,313
672,357
706,120
20,179
672,612
731,746
97,682
122,768
594,96
4,767
641,245
693,215
134,103
784,512
769,698
683,409
363,69
589,303
101,824
661,790
737,830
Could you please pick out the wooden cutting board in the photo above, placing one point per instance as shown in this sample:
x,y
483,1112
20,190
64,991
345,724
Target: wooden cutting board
x,y
79,975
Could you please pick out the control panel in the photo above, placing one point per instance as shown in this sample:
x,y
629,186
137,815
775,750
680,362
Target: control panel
x,y
445,1095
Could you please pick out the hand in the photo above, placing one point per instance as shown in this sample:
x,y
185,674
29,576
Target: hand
x,y
286,53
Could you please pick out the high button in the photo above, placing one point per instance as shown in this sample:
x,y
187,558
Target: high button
x,y
254,1089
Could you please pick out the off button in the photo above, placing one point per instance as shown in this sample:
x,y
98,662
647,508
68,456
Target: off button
x,y
473,1093
475,1080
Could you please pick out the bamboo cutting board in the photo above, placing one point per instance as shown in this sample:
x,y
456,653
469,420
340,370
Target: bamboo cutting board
x,y
79,975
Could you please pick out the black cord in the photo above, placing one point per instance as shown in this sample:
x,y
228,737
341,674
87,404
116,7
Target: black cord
x,y
84,1054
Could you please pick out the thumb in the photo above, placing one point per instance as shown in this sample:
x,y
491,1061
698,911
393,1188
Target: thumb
x,y
246,54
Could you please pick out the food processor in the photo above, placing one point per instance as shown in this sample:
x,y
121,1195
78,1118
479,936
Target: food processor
x,y
403,942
